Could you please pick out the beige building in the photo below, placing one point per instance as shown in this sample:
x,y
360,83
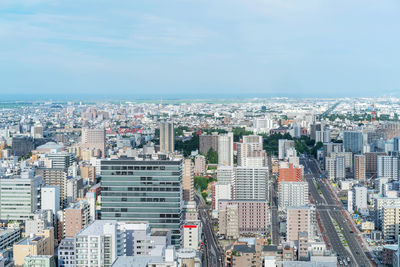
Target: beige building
x,y
187,180
228,221
88,172
300,219
42,244
76,216
167,137
200,165
94,139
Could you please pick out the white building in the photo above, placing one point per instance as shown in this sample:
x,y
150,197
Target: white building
x,y
251,183
360,198
292,194
192,235
225,149
102,241
226,174
19,196
391,223
381,202
350,201
388,167
50,198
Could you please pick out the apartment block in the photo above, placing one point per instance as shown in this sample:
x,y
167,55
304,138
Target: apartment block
x,y
300,219
253,215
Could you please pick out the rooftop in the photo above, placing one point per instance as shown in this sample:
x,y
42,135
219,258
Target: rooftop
x,y
137,261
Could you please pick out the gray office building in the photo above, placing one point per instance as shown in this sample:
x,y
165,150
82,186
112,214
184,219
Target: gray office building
x,y
353,141
134,189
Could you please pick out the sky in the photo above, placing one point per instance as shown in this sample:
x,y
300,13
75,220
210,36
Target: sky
x,y
303,48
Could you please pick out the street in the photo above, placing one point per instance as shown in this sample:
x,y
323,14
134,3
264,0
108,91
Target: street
x,y
212,253
329,211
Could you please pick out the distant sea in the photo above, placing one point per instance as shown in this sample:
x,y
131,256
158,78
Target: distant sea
x,y
125,97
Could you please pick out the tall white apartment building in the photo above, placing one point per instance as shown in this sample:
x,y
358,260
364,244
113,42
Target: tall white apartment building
x,y
381,202
388,167
292,194
50,198
335,167
251,183
225,149
391,223
226,174
244,149
360,198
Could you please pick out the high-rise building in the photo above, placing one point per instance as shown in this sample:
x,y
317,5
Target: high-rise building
x,y
300,219
359,167
292,194
187,180
60,160
388,167
56,177
353,141
253,215
251,183
360,198
94,139
396,144
199,165
381,202
207,142
283,146
226,174
21,145
251,143
228,221
335,167
50,198
220,191
391,223
371,161
143,190
290,174
19,196
88,172
225,149
76,217
253,139
167,137
37,131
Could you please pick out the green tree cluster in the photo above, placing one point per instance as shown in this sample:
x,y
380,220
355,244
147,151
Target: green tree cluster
x,y
212,156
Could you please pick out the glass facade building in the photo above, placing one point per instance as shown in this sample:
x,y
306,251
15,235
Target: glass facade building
x,y
143,190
